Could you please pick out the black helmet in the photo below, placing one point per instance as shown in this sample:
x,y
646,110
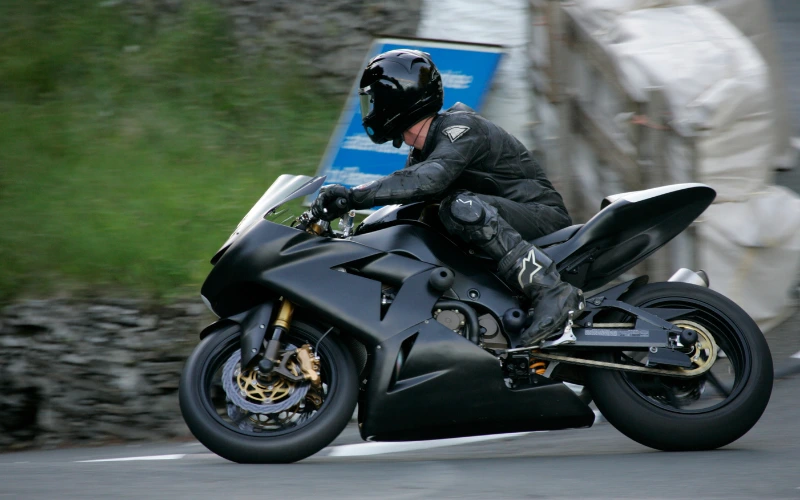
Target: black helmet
x,y
398,88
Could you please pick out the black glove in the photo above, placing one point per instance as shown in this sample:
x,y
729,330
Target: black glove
x,y
332,202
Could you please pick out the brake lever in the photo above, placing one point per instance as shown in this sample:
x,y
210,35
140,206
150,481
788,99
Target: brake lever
x,y
307,222
347,222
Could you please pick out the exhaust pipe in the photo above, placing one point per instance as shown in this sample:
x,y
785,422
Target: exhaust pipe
x,y
683,275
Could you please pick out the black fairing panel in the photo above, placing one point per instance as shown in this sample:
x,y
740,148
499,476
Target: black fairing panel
x,y
429,383
559,236
283,261
273,260
627,231
390,214
471,273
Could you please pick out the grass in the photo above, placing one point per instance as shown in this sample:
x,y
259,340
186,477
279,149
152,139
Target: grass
x,y
128,152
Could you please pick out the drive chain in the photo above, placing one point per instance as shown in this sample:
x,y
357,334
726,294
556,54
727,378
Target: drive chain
x,y
682,373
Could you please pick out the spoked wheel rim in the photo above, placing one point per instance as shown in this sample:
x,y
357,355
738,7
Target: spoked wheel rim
x,y
224,409
713,389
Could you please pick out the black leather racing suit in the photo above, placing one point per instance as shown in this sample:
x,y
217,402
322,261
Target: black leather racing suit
x,y
493,193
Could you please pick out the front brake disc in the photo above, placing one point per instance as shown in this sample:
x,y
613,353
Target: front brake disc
x,y
239,387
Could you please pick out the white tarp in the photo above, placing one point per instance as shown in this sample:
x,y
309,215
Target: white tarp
x,y
718,89
603,14
753,19
750,249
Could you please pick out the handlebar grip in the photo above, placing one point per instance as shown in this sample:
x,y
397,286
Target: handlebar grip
x,y
341,203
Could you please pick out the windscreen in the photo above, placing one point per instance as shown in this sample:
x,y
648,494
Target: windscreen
x,y
285,188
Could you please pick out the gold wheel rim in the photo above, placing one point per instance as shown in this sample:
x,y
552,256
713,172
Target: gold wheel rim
x,y
270,391
705,349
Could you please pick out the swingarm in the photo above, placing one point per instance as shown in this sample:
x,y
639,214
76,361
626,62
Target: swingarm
x,y
674,347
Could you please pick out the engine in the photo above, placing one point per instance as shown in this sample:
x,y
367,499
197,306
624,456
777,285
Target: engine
x,y
491,337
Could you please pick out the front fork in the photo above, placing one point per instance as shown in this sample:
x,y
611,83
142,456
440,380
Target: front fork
x,y
254,324
305,356
280,326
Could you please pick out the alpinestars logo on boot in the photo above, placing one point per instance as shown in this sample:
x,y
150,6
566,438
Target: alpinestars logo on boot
x,y
529,263
455,132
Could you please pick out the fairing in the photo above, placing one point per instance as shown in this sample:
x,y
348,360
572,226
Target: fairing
x,y
428,383
435,367
629,228
273,260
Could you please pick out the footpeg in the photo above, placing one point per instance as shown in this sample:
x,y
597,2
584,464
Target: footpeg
x,y
568,337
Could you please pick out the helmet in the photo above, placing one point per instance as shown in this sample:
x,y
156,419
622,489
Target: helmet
x,y
398,88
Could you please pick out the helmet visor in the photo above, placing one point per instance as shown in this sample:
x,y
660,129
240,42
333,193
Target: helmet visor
x,y
367,104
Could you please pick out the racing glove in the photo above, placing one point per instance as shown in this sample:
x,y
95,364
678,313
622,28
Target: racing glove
x,y
332,202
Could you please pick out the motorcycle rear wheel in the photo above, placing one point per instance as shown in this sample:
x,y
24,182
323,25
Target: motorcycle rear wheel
x,y
243,437
671,414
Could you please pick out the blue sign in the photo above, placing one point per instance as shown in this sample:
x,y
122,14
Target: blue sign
x,y
467,70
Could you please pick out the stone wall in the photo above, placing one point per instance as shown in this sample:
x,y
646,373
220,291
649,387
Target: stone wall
x,y
325,39
330,37
73,372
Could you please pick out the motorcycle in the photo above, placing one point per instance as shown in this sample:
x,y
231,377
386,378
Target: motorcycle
x,y
417,330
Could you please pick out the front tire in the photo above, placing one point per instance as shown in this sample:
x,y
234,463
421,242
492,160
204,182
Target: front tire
x,y
256,438
702,413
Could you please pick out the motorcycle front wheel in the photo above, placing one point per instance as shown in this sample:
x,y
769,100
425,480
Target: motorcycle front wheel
x,y
700,413
248,417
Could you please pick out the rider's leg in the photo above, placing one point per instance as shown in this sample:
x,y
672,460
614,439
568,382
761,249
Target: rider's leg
x,y
520,264
531,220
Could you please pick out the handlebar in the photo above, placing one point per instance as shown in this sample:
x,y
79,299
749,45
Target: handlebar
x,y
307,219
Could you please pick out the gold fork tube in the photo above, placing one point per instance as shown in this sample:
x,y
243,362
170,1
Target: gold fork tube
x,y
284,318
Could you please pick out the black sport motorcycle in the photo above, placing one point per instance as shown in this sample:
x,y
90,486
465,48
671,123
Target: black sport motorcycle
x,y
419,331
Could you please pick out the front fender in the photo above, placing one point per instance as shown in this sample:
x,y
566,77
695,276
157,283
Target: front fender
x,y
253,324
216,326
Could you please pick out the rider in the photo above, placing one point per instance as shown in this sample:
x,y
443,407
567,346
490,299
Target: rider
x,y
492,192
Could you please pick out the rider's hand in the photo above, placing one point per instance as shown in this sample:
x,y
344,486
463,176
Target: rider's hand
x,y
333,202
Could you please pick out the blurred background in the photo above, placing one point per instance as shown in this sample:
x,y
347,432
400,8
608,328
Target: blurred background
x,y
136,133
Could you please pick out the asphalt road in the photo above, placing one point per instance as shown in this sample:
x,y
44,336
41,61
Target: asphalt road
x,y
589,463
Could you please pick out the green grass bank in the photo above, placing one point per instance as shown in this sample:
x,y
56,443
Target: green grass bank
x,y
129,151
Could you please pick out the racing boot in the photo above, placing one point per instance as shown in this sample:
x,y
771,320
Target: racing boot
x,y
551,299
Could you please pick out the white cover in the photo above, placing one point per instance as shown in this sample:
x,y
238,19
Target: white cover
x,y
754,19
751,18
716,84
718,89
750,251
603,14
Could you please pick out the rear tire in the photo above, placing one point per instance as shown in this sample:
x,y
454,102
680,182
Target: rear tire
x,y
630,403
200,395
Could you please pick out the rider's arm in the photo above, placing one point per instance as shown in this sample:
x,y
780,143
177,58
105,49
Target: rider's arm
x,y
455,149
